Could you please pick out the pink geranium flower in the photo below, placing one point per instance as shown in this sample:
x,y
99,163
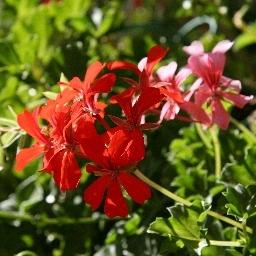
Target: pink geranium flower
x,y
214,87
175,99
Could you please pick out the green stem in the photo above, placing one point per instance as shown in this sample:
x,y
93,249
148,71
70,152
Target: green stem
x,y
162,190
217,153
226,243
244,129
186,202
203,137
43,220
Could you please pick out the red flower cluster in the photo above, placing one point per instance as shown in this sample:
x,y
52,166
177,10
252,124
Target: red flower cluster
x,y
72,119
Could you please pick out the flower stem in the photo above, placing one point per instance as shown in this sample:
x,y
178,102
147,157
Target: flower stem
x,y
162,190
226,243
186,202
244,129
43,220
217,153
203,137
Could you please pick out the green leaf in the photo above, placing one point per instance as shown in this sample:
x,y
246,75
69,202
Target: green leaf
x,y
8,138
247,38
50,95
108,19
241,201
182,225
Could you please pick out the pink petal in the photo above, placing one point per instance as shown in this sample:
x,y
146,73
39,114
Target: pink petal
x,y
115,204
142,64
202,95
196,48
194,87
209,67
196,112
169,111
230,83
166,73
182,76
138,190
223,46
219,115
238,99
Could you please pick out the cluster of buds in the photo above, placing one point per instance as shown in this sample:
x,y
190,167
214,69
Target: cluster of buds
x,y
72,121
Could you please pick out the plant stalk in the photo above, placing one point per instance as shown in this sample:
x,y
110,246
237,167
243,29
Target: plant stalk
x,y
244,129
186,202
217,152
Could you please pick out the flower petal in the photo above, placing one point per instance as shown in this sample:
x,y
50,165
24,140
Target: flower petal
x,y
155,54
92,72
196,112
126,148
124,100
66,171
196,48
166,73
219,115
28,122
223,46
115,204
123,65
238,99
138,190
26,155
94,194
94,149
103,84
149,97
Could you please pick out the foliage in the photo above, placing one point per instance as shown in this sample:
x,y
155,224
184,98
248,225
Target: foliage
x,y
39,42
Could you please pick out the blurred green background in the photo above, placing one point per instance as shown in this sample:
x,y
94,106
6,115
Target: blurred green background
x,y
40,41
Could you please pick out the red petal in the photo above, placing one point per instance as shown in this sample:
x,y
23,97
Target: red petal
x,y
173,94
95,150
126,148
149,97
93,194
124,100
66,171
138,190
155,54
28,122
76,83
92,72
219,115
115,204
103,84
123,65
26,155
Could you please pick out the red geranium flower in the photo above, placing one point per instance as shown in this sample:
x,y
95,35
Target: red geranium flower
x,y
86,92
114,154
134,107
58,143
